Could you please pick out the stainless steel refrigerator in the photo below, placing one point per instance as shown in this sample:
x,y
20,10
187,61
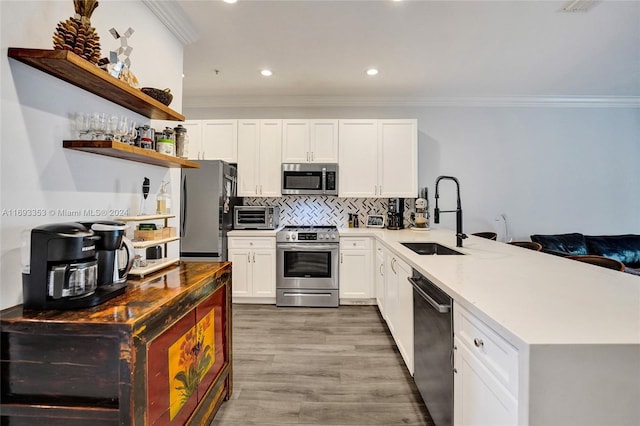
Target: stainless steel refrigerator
x,y
208,196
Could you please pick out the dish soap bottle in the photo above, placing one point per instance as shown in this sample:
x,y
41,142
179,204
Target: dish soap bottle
x,y
163,204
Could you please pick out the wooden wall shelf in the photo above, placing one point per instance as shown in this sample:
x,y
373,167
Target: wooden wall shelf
x,y
129,152
75,70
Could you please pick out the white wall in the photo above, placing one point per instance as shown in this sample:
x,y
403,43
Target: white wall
x,y
548,169
36,173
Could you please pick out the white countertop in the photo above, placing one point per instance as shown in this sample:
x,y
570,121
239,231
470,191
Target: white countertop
x,y
530,297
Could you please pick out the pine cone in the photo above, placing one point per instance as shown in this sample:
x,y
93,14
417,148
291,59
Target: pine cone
x,y
80,38
77,35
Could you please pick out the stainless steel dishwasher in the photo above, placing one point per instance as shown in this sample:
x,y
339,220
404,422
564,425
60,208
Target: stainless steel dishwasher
x,y
433,348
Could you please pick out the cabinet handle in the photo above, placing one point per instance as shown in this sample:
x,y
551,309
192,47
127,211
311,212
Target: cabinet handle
x,y
312,156
260,189
381,270
341,257
308,156
478,342
393,261
254,257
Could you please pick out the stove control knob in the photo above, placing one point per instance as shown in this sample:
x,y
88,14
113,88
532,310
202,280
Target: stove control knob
x,y
293,236
333,236
287,237
327,236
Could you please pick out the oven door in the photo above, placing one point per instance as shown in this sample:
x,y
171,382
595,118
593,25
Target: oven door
x,y
307,266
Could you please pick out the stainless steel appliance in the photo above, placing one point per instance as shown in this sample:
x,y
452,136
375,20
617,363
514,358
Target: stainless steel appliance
x,y
433,348
307,266
256,217
206,205
395,213
309,179
63,269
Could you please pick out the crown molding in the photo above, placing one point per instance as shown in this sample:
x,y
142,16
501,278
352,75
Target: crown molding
x,y
170,13
366,101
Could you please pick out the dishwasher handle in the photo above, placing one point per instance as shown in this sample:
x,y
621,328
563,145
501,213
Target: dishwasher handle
x,y
440,307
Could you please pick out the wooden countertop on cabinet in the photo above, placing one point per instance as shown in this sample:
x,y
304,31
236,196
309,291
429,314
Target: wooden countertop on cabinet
x,y
127,360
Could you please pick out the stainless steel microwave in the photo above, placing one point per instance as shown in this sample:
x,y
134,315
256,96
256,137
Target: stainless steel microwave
x,y
309,179
256,217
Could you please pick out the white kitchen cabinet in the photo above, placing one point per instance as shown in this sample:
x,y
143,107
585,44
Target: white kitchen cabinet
x,y
220,140
310,141
356,280
259,158
254,268
378,158
358,158
212,140
398,158
378,273
398,304
486,373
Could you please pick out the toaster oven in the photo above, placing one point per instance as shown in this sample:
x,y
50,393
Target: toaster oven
x,y
255,217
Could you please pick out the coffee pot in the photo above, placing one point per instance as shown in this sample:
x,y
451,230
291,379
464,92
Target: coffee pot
x,y
114,251
63,270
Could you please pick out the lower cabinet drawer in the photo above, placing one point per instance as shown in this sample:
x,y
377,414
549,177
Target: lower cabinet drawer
x,y
495,353
251,242
348,243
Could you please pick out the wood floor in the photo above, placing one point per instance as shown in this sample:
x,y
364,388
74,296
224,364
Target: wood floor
x,y
317,366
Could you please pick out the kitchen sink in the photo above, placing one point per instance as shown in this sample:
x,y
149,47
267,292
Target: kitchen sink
x,y
431,249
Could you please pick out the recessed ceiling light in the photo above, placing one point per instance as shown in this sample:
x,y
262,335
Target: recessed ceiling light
x,y
266,73
230,1
372,71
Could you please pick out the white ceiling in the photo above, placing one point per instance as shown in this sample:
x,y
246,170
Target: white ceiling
x,y
425,50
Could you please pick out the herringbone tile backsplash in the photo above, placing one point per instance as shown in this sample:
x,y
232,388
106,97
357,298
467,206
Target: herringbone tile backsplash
x,y
324,210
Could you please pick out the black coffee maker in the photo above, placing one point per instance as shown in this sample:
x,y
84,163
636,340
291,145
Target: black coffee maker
x,y
63,269
395,213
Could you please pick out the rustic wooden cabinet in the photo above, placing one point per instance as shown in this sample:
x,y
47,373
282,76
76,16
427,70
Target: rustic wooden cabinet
x,y
160,354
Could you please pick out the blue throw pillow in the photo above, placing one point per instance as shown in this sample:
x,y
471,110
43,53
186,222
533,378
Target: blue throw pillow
x,y
625,248
573,243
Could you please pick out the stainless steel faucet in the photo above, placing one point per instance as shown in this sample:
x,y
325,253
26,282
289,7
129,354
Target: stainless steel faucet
x,y
458,211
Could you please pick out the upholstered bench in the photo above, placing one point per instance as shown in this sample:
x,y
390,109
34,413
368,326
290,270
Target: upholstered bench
x,y
625,248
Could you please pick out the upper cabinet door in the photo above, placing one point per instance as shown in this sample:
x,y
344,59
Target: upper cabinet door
x,y
310,141
270,164
248,154
295,141
323,143
398,158
358,158
220,140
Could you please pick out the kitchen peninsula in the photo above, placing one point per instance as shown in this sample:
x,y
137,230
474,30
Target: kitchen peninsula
x,y
553,341
161,352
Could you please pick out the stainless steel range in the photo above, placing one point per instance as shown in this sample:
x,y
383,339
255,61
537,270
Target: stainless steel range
x,y
307,266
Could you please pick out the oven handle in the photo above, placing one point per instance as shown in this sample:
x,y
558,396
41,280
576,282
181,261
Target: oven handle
x,y
307,294
306,247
